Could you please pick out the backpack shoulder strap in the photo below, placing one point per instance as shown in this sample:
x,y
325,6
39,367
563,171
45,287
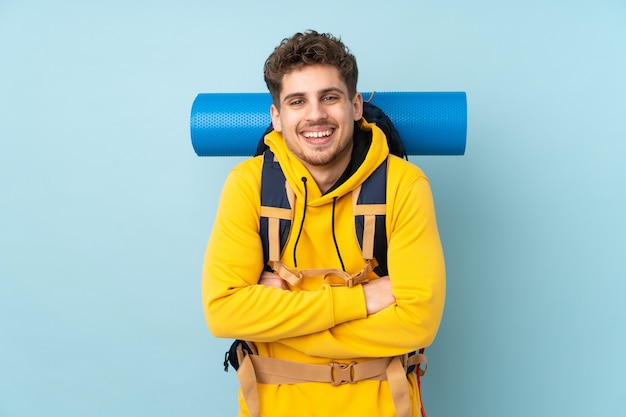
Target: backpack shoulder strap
x,y
276,209
370,208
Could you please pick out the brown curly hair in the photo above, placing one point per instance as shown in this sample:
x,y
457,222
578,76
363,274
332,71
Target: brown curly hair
x,y
309,48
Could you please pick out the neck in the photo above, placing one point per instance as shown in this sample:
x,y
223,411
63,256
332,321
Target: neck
x,y
327,175
324,179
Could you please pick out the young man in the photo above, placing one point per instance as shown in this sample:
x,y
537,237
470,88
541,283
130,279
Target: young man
x,y
323,348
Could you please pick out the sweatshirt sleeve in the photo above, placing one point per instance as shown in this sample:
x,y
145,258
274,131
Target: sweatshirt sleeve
x,y
417,273
235,306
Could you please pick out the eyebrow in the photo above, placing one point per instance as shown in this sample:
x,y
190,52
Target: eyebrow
x,y
321,93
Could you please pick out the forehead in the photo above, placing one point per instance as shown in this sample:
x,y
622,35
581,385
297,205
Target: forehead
x,y
312,79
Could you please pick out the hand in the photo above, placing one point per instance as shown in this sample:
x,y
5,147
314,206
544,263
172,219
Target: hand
x,y
271,280
378,294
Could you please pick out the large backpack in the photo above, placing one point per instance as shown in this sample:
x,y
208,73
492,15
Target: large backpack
x,y
369,218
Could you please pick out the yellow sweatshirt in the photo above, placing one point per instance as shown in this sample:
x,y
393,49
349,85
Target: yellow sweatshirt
x,y
316,323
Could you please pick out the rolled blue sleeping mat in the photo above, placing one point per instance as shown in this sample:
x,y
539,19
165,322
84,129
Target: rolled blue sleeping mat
x,y
429,123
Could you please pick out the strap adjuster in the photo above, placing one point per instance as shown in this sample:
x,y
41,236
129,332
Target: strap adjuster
x,y
342,373
358,278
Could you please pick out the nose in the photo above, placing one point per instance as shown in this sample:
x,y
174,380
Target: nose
x,y
316,111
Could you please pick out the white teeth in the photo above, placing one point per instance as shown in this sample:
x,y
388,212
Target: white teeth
x,y
318,134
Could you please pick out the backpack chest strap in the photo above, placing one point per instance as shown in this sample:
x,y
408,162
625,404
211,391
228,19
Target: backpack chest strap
x,y
332,276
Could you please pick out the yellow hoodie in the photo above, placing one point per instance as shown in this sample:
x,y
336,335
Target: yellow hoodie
x,y
316,323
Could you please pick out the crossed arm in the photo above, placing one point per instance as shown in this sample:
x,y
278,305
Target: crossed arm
x,y
329,321
378,294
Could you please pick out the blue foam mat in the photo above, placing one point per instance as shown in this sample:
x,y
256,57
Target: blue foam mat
x,y
231,124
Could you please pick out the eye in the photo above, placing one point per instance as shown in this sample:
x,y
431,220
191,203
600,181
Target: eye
x,y
296,102
330,98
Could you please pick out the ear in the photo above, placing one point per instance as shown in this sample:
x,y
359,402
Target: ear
x,y
357,103
275,118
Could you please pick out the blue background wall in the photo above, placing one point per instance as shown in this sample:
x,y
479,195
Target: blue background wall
x,y
106,210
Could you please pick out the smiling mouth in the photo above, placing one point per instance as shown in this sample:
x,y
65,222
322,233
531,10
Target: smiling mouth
x,y
318,135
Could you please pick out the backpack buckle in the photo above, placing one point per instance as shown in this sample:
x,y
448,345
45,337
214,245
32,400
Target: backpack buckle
x,y
342,373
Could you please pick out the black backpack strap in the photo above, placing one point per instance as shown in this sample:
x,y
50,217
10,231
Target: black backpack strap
x,y
275,209
370,207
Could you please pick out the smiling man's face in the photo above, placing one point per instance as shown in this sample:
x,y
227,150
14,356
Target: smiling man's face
x,y
316,117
